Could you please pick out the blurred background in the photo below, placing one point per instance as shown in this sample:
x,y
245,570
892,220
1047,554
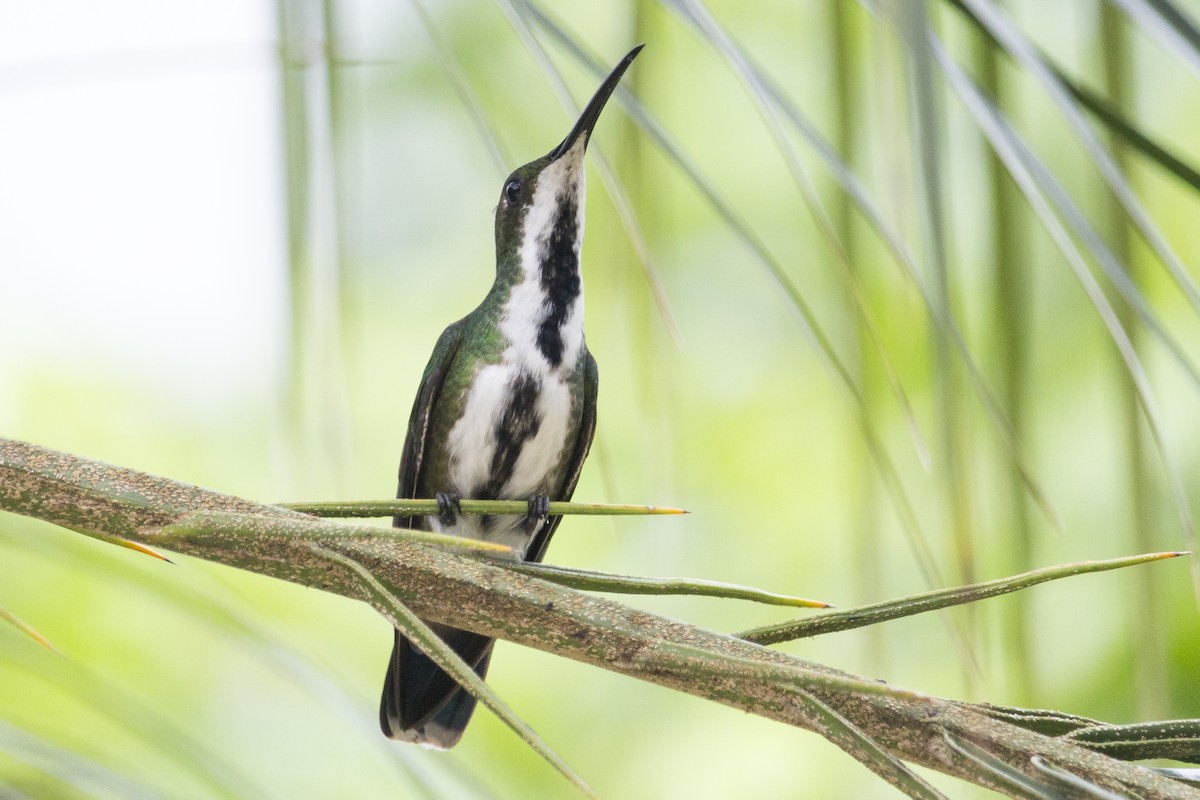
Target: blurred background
x,y
889,295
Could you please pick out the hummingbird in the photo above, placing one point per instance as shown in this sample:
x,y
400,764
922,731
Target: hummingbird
x,y
506,411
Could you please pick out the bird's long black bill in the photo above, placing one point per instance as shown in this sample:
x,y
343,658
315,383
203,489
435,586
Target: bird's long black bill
x,y
587,120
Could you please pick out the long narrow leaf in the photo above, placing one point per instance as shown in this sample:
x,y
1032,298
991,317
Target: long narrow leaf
x,y
590,580
462,87
441,654
1177,739
1044,721
145,723
69,768
851,618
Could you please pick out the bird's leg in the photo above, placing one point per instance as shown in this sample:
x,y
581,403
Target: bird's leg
x,y
448,508
539,507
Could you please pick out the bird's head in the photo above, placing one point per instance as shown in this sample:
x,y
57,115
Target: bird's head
x,y
539,219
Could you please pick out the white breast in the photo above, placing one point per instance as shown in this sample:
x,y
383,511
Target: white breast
x,y
473,438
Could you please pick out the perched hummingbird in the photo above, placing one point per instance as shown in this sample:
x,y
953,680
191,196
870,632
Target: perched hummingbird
x,y
506,411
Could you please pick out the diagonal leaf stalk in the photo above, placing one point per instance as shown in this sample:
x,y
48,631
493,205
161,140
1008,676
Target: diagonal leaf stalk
x,y
462,87
480,595
851,618
391,508
592,581
1044,721
1189,776
154,729
428,642
810,325
912,24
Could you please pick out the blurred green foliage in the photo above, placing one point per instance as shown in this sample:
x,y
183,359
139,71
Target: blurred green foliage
x,y
191,680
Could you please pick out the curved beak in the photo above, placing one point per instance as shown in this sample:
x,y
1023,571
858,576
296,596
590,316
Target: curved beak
x,y
587,120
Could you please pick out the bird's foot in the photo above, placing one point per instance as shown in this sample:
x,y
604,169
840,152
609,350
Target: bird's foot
x,y
448,508
539,507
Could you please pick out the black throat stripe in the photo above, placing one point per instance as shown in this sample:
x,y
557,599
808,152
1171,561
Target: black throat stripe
x,y
519,422
560,279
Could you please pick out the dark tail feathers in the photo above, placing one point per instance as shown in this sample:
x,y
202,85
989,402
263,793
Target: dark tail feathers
x,y
421,703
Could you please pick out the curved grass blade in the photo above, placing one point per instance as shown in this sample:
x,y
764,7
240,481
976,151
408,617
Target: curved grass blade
x,y
428,642
1010,38
592,581
875,613
1175,739
714,34
389,508
809,324
999,769
1088,788
27,629
1005,143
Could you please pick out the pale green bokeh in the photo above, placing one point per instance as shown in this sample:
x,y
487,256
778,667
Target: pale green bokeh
x,y
158,338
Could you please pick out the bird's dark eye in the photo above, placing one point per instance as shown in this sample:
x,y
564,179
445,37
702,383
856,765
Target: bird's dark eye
x,y
512,191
